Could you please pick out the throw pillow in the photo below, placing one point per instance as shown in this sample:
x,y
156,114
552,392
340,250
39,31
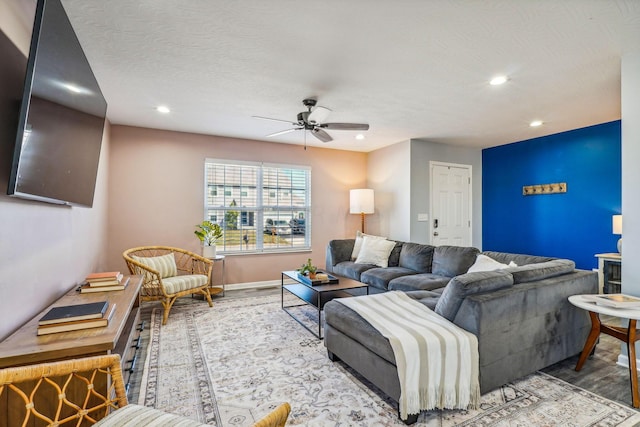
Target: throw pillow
x,y
358,244
485,263
165,265
375,251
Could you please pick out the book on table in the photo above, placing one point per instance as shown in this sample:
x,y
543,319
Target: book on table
x,y
87,288
78,325
104,279
614,300
71,313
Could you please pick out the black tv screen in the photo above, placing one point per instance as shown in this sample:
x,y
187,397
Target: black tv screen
x,y
62,116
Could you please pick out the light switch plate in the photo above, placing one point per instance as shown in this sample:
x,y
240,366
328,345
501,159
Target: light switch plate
x,y
423,217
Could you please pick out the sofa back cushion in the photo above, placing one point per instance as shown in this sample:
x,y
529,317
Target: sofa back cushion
x,y
451,261
394,258
518,259
464,285
416,257
340,250
542,270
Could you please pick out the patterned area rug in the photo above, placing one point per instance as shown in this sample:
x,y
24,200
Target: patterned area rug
x,y
231,364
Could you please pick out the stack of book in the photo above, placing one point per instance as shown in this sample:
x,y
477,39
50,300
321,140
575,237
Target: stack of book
x,y
76,317
102,282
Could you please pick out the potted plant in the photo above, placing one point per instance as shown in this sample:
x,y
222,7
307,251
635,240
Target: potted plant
x,y
308,269
208,232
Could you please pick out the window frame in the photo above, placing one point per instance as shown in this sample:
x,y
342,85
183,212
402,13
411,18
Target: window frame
x,y
256,216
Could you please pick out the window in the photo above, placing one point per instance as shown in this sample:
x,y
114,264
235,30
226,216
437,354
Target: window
x,y
260,207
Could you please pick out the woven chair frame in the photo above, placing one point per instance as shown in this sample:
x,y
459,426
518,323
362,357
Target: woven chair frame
x,y
152,288
29,384
276,418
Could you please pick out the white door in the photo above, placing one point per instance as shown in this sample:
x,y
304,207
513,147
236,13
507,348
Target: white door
x,y
450,204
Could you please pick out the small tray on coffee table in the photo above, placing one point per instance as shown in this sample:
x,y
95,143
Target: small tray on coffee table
x,y
313,282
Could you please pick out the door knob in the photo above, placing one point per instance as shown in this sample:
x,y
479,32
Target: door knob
x,y
435,233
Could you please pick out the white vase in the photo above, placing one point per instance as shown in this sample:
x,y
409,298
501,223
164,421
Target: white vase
x,y
209,251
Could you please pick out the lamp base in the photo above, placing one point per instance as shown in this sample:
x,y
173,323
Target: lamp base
x,y
620,246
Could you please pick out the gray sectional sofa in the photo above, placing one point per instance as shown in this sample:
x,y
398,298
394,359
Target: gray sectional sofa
x,y
520,314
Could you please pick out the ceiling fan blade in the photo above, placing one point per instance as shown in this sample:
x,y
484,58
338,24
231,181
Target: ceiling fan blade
x,y
318,115
321,135
275,120
345,126
282,132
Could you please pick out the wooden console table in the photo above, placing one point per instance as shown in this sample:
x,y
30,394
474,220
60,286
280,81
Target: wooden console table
x,y
25,347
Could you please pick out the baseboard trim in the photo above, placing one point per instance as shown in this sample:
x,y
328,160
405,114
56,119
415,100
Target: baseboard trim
x,y
623,360
253,285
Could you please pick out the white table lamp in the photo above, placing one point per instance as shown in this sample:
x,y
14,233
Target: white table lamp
x,y
617,229
361,201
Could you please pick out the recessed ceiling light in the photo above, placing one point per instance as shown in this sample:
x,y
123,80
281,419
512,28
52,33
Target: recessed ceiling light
x,y
535,123
163,109
359,136
498,80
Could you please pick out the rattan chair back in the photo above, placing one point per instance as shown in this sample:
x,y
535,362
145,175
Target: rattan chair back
x,y
69,392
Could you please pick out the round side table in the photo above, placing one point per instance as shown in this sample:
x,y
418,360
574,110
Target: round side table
x,y
215,289
628,335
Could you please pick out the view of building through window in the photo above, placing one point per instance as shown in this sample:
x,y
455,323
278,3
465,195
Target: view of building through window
x,y
260,207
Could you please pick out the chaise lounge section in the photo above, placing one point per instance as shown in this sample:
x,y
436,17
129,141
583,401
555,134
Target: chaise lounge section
x,y
520,314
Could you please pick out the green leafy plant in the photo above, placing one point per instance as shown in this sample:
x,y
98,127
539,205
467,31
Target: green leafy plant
x,y
208,232
308,267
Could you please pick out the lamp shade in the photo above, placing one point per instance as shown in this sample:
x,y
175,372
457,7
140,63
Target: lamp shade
x,y
617,224
361,201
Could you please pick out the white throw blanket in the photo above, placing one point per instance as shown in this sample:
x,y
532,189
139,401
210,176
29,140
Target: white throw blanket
x,y
437,361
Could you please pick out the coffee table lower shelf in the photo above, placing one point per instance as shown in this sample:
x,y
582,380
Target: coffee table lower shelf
x,y
315,296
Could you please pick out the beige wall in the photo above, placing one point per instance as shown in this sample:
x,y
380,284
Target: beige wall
x,y
157,193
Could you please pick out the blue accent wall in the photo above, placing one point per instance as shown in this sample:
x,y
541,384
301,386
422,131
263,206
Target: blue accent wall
x,y
574,225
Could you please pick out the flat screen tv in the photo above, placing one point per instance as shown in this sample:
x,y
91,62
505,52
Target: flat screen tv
x,y
61,119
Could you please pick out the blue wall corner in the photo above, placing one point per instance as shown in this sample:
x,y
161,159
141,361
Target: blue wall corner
x,y
574,225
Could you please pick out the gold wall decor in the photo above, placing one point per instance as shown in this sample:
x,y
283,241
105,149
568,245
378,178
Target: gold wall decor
x,y
556,187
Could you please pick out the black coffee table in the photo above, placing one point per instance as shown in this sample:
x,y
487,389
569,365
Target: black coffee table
x,y
317,295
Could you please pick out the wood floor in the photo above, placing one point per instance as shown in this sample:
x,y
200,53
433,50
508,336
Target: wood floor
x,y
600,375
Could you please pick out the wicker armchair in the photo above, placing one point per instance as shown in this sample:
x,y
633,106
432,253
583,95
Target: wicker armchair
x,y
85,392
169,273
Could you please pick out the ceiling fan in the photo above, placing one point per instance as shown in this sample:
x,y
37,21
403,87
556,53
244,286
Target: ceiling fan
x,y
313,121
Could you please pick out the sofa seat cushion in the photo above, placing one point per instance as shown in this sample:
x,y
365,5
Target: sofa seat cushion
x,y
351,270
464,285
428,298
136,415
451,261
380,277
543,270
173,285
425,281
351,324
416,257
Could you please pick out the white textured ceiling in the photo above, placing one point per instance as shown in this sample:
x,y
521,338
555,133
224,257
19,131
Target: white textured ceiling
x,y
411,69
